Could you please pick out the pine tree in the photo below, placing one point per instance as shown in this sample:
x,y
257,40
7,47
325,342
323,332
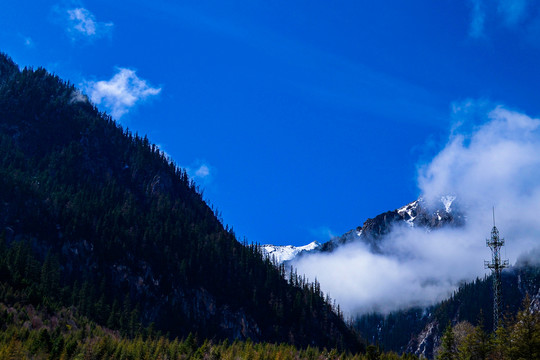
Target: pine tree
x,y
372,353
525,334
501,341
477,345
448,350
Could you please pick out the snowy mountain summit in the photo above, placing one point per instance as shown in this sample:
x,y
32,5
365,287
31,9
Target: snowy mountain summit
x,y
419,213
442,212
286,252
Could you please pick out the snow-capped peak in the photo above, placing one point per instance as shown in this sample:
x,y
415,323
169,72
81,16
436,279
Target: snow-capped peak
x,y
286,252
409,209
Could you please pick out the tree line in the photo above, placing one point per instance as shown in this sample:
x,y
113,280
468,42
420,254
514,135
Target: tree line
x,y
517,338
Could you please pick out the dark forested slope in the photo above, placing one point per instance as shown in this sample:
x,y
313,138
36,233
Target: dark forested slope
x,y
95,217
419,331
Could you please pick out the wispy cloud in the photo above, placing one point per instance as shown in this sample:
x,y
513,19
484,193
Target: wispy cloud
x,y
322,233
164,152
78,97
510,13
495,162
201,171
28,42
346,83
121,93
80,23
478,16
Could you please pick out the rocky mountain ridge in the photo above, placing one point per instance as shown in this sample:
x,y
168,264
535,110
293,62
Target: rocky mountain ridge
x,y
419,330
417,214
281,253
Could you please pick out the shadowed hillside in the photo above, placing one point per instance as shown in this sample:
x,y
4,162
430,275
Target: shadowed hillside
x,y
96,217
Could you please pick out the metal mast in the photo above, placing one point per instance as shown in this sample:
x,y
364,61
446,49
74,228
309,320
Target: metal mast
x,y
496,265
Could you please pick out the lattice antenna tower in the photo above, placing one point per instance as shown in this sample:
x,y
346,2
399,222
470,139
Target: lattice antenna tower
x,y
496,265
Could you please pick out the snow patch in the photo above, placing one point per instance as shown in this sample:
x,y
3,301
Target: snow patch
x,y
286,252
409,210
447,201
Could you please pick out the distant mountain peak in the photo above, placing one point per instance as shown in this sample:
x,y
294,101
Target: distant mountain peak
x,y
417,214
408,212
282,253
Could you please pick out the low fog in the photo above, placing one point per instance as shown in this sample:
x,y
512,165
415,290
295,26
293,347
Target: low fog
x,y
492,159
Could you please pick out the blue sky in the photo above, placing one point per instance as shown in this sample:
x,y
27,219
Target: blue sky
x,y
299,119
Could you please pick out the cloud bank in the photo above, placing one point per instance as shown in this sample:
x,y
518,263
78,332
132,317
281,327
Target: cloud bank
x,y
122,92
494,162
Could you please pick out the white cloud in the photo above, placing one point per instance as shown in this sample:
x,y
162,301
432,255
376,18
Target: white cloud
x,y
415,269
121,93
496,163
78,97
203,171
493,160
81,23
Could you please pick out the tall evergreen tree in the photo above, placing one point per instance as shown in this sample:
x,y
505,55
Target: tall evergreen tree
x,y
525,334
448,350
